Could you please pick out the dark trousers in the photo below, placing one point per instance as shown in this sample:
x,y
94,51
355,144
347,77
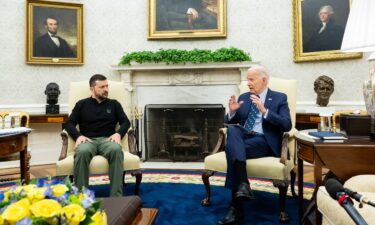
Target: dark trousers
x,y
241,146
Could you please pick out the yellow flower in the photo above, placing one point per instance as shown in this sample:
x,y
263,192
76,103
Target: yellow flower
x,y
36,194
99,218
46,208
74,214
1,220
26,188
17,211
59,190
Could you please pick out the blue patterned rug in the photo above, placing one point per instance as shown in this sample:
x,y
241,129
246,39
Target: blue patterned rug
x,y
177,195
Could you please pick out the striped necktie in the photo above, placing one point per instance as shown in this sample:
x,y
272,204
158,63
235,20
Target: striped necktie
x,y
250,121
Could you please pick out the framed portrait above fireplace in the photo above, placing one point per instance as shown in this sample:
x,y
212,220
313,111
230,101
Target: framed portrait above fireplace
x,y
54,33
319,28
187,19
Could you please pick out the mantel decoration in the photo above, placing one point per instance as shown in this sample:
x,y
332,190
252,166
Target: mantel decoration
x,y
174,56
50,202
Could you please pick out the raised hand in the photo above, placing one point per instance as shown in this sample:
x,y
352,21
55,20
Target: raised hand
x,y
233,104
258,102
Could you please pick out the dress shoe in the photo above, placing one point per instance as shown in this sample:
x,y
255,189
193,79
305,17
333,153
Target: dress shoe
x,y
234,216
244,192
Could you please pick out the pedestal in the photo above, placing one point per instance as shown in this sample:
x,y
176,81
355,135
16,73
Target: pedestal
x,y
52,109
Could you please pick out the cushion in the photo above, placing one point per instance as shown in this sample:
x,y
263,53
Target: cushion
x,y
267,167
98,164
333,213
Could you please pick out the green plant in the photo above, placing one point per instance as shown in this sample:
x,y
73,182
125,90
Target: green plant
x,y
173,56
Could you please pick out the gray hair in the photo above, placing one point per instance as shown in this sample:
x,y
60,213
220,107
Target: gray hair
x,y
327,8
261,69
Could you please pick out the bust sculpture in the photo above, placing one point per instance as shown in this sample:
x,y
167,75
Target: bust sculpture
x,y
323,87
52,91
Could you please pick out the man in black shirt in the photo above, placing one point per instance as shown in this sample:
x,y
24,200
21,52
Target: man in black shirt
x,y
97,117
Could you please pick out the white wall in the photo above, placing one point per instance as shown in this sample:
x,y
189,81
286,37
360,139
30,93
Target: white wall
x,y
112,27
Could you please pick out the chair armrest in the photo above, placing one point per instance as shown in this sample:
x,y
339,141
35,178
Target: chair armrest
x,y
221,141
64,148
284,148
131,142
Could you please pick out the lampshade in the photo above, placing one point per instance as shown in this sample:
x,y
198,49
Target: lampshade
x,y
359,33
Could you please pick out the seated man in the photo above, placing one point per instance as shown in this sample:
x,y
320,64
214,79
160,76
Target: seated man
x,y
256,123
97,117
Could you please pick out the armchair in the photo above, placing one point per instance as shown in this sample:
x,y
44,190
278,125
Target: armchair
x,y
333,213
99,165
276,169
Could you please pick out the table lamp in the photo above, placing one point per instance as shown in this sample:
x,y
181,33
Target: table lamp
x,y
359,36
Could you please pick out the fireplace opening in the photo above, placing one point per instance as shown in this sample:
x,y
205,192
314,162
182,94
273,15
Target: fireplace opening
x,y
181,132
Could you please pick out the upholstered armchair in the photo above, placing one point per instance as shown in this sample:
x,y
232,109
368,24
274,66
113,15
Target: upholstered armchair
x,y
276,169
333,213
99,165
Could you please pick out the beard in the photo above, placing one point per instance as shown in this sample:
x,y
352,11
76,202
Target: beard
x,y
102,97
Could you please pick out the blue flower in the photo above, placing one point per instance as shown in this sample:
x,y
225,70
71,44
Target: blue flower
x,y
1,196
24,221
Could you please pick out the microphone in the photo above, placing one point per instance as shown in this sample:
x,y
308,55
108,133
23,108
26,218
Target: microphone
x,y
358,197
336,191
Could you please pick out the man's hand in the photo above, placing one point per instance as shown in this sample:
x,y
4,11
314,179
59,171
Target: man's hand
x,y
256,100
116,137
233,104
82,139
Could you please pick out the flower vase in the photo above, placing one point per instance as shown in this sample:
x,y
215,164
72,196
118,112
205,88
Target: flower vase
x,y
369,97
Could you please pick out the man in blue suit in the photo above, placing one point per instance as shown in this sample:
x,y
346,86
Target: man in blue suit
x,y
256,123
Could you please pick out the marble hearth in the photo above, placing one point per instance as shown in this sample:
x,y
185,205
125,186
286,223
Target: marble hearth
x,y
179,84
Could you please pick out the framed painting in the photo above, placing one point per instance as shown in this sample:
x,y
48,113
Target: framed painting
x,y
319,28
54,33
187,19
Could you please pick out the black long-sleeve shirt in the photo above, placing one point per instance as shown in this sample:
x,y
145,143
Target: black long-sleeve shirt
x,y
97,119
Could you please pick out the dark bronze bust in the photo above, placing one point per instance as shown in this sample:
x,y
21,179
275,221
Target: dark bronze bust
x,y
323,87
52,91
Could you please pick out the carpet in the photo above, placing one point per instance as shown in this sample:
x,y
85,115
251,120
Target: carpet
x,y
177,195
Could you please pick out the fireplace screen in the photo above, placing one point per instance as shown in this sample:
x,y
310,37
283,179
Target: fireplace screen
x,y
181,132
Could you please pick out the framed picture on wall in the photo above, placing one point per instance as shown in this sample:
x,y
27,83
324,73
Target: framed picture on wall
x,y
54,33
187,19
319,28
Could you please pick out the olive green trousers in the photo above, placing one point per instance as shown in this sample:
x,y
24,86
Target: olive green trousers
x,y
109,150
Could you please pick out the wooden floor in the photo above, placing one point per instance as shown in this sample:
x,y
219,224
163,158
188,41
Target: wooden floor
x,y
49,170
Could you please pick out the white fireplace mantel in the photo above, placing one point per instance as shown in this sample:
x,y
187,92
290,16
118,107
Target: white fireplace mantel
x,y
181,74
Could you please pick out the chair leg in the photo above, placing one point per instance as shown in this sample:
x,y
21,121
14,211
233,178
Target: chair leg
x,y
283,188
206,181
138,179
71,178
292,182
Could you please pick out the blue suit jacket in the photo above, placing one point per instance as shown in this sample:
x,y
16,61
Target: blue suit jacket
x,y
277,122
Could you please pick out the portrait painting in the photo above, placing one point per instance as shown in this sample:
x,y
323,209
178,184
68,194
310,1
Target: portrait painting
x,y
319,27
54,33
187,19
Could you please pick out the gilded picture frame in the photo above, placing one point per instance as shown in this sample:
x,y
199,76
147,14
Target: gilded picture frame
x,y
170,19
312,42
54,32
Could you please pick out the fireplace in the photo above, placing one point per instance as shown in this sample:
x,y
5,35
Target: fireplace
x,y
181,132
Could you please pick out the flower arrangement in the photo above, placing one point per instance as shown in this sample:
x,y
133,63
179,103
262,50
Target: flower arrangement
x,y
55,202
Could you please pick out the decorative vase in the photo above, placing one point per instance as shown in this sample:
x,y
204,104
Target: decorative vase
x,y
369,97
